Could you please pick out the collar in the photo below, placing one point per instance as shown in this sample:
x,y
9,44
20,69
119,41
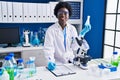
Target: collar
x,y
60,26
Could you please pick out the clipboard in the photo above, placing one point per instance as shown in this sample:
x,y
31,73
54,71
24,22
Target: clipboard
x,y
62,70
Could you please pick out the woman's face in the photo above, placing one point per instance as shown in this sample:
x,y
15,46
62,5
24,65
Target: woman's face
x,y
63,15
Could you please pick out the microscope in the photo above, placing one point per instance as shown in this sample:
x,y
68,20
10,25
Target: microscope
x,y
26,33
81,58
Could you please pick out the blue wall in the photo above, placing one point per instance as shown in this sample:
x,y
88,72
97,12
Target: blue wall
x,y
94,8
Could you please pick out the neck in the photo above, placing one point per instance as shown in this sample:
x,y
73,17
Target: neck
x,y
62,25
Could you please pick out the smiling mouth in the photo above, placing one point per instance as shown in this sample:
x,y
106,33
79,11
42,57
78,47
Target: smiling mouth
x,y
62,18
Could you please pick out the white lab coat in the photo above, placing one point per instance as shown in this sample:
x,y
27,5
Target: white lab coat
x,y
54,43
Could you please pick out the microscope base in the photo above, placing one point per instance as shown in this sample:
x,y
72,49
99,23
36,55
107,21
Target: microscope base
x,y
26,45
83,67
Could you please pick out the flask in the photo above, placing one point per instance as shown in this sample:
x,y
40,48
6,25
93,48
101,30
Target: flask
x,y
13,62
31,37
22,39
7,64
3,74
36,41
114,59
87,27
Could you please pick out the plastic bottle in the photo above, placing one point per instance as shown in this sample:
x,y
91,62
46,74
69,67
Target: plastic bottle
x,y
20,68
7,64
31,68
32,64
3,74
13,62
114,59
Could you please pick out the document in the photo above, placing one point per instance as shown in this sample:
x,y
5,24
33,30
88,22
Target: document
x,y
32,12
25,12
0,12
40,12
48,12
62,70
10,11
17,12
4,11
52,6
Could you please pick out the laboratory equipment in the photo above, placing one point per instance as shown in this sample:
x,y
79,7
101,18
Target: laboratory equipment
x,y
26,33
32,62
22,39
13,62
4,74
31,67
9,67
114,59
20,68
107,66
87,27
36,41
81,57
31,37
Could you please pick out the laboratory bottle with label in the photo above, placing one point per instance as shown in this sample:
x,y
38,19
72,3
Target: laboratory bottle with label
x,y
13,62
114,59
20,66
7,64
4,74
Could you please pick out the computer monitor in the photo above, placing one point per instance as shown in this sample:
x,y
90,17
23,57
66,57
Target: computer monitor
x,y
9,35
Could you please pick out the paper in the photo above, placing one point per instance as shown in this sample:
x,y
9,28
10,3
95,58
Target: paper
x,y
4,11
17,12
62,70
0,12
10,11
52,6
25,12
32,12
40,12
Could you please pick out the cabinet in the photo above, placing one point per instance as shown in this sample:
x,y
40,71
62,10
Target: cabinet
x,y
38,54
25,53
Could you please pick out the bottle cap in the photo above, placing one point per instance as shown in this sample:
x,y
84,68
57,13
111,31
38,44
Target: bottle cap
x,y
11,54
115,52
20,60
7,57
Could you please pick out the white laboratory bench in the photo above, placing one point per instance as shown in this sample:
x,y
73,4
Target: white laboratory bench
x,y
44,74
26,52
19,49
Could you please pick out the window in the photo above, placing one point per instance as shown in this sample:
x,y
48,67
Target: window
x,y
112,28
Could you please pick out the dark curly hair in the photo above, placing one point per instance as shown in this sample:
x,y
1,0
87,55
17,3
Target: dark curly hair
x,y
63,5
